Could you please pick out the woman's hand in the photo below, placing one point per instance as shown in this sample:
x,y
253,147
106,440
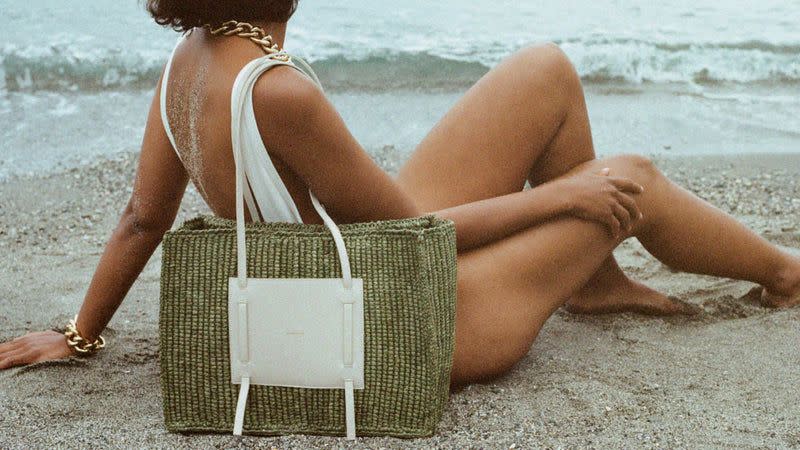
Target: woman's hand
x,y
32,348
602,198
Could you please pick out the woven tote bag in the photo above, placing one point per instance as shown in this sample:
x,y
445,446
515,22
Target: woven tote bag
x,y
399,342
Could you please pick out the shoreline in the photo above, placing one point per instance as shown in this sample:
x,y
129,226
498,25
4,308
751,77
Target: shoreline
x,y
651,119
727,378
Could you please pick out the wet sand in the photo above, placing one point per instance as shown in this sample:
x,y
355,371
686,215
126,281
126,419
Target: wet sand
x,y
727,378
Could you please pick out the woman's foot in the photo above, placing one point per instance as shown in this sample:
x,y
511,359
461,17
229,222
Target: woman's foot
x,y
785,292
626,295
779,301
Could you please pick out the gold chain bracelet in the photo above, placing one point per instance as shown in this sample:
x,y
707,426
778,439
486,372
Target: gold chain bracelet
x,y
79,343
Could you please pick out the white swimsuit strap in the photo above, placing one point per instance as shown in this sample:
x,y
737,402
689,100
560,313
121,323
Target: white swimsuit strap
x,y
163,95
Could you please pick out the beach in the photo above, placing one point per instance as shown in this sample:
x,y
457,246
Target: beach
x,y
726,378
709,90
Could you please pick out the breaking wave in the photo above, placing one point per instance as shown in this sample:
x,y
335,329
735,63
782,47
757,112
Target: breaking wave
x,y
598,61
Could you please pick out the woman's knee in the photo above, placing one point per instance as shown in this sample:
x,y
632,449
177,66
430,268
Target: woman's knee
x,y
640,168
486,360
548,63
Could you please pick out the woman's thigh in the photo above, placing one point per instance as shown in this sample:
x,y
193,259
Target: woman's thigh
x,y
508,289
487,143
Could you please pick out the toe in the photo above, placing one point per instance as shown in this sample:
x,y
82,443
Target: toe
x,y
769,300
685,308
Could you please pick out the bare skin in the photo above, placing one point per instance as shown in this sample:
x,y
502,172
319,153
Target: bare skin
x,y
522,254
551,110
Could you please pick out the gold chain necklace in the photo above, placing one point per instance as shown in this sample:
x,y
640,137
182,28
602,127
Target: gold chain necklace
x,y
255,34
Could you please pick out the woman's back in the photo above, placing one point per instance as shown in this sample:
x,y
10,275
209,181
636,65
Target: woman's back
x,y
197,100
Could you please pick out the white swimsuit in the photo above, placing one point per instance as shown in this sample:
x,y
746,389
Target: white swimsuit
x,y
271,195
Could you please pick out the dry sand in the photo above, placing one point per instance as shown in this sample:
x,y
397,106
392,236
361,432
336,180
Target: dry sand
x,y
728,378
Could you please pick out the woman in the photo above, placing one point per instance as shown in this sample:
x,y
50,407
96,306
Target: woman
x,y
522,254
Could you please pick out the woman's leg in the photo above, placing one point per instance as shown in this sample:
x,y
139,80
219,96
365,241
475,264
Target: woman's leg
x,y
689,234
525,119
609,289
509,288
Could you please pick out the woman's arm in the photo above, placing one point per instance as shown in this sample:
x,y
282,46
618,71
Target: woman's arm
x,y
597,197
300,125
158,188
485,221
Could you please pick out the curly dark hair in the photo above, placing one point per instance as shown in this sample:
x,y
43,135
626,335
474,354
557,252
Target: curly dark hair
x,y
183,15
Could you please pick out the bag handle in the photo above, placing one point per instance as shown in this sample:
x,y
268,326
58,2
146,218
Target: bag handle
x,y
244,82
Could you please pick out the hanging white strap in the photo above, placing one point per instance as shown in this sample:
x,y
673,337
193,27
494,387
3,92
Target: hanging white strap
x,y
308,70
349,409
344,260
238,421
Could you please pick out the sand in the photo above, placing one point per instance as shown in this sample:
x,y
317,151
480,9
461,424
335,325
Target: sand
x,y
728,378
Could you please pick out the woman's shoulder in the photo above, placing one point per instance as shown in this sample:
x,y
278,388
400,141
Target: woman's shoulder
x,y
286,83
283,95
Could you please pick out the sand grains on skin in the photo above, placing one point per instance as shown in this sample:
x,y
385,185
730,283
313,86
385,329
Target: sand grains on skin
x,y
186,98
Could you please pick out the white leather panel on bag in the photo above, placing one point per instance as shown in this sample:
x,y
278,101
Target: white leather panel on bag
x,y
300,332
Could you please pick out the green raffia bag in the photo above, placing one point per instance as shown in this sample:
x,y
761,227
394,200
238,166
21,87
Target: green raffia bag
x,y
409,272
398,282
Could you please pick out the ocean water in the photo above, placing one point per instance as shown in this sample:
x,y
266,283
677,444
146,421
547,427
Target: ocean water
x,y
676,76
